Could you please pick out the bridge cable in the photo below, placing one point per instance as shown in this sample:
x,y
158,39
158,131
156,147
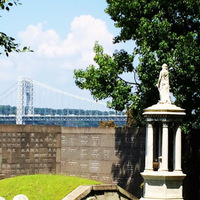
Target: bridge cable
x,y
65,93
8,94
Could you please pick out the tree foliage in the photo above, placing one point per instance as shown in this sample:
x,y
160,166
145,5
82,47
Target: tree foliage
x,y
165,31
105,81
8,43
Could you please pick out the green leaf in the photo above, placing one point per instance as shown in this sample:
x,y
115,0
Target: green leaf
x,y
25,48
164,32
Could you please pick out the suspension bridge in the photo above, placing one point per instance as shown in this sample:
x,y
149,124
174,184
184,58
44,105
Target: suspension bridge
x,y
58,107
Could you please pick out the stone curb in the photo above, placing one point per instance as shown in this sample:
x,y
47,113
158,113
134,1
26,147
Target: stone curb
x,y
82,191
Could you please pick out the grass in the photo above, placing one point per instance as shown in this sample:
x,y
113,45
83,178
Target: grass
x,y
41,187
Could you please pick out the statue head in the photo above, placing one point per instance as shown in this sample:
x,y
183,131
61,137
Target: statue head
x,y
164,66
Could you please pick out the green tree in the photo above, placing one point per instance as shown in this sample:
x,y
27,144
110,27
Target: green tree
x,y
165,31
8,43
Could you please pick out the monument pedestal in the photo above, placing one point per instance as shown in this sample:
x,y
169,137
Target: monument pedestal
x,y
162,185
163,131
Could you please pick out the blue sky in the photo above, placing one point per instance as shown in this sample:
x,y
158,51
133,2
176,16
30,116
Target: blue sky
x,y
62,35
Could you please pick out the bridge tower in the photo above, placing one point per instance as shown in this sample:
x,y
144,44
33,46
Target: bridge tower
x,y
24,99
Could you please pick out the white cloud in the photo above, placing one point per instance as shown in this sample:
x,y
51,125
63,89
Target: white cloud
x,y
78,45
54,59
35,36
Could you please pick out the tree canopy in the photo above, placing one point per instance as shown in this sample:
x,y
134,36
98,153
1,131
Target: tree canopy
x,y
8,43
165,31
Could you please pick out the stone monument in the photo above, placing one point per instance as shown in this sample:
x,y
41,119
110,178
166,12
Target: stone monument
x,y
163,146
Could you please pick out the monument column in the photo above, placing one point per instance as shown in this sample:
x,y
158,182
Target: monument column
x,y
163,184
165,147
149,147
177,164
160,146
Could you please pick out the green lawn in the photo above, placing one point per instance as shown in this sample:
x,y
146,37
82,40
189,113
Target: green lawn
x,y
41,187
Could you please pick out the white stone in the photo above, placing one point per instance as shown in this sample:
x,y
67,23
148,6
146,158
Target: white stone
x,y
149,147
165,148
177,148
164,109
163,185
163,85
20,197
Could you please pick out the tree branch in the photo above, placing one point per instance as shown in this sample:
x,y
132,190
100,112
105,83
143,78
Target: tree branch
x,y
131,83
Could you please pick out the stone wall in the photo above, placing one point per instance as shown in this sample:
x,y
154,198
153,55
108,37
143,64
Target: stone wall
x,y
107,155
28,149
88,153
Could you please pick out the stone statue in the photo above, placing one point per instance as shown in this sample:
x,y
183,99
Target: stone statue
x,y
163,85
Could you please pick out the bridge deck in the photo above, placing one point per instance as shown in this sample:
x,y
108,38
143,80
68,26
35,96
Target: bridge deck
x,y
65,118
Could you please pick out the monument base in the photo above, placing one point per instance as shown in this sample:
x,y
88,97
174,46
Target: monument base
x,y
162,185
